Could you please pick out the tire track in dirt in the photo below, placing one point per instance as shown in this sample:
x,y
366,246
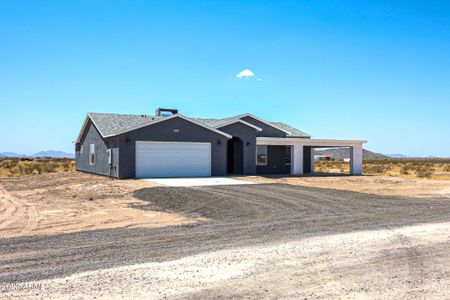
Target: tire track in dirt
x,y
11,209
33,219
16,211
8,208
416,267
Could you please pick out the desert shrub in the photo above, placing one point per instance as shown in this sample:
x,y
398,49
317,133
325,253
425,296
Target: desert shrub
x,y
405,169
388,167
423,173
374,169
17,166
14,170
67,165
29,168
8,163
49,166
446,168
20,169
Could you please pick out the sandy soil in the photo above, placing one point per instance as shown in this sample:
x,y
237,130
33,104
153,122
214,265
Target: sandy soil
x,y
378,185
71,202
363,237
403,263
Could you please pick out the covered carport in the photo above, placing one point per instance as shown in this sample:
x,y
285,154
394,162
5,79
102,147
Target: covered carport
x,y
302,156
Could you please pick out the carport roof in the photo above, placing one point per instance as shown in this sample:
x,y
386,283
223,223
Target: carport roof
x,y
113,124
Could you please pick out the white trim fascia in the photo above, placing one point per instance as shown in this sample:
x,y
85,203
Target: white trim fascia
x,y
82,129
308,142
263,121
239,121
169,118
88,117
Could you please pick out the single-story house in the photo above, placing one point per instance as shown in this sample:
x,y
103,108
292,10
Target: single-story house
x,y
169,144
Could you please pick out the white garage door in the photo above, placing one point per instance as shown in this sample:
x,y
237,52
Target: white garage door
x,y
172,159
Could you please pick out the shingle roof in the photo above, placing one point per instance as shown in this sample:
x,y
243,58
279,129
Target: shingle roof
x,y
113,124
294,132
213,122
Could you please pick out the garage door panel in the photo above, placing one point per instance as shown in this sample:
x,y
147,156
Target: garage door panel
x,y
172,159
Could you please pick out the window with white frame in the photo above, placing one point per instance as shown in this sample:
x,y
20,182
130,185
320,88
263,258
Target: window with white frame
x,y
261,155
109,156
92,154
81,149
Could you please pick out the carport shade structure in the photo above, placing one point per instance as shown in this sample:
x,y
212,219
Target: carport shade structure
x,y
302,156
129,146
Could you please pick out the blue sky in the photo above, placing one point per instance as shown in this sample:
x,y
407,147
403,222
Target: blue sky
x,y
374,70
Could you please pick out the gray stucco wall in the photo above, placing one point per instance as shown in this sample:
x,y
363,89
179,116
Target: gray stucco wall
x,y
164,131
101,166
276,162
267,130
247,135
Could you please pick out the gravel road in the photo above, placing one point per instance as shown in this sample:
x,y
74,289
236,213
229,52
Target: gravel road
x,y
235,217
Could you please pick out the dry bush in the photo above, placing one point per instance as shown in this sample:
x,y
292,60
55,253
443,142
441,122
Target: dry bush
x,y
420,167
388,167
17,167
405,169
8,163
374,169
423,173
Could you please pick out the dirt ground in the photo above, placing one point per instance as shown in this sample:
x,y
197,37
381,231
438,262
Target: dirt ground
x,y
322,237
69,202
369,184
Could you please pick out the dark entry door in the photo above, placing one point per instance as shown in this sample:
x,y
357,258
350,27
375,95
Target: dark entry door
x,y
235,156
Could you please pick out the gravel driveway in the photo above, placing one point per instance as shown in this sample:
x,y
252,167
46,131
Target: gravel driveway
x,y
236,216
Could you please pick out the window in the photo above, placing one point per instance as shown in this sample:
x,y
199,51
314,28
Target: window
x,y
288,156
109,156
261,155
92,154
81,149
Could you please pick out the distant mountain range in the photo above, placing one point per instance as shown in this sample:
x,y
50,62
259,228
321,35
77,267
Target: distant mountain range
x,y
334,153
398,155
407,156
48,153
345,153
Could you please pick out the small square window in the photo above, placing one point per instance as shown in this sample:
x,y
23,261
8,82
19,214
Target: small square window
x,y
261,155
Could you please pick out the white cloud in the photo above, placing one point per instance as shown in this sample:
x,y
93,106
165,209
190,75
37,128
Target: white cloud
x,y
246,74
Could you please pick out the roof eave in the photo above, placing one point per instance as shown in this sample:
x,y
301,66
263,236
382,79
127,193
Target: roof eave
x,y
169,118
263,121
83,128
239,121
